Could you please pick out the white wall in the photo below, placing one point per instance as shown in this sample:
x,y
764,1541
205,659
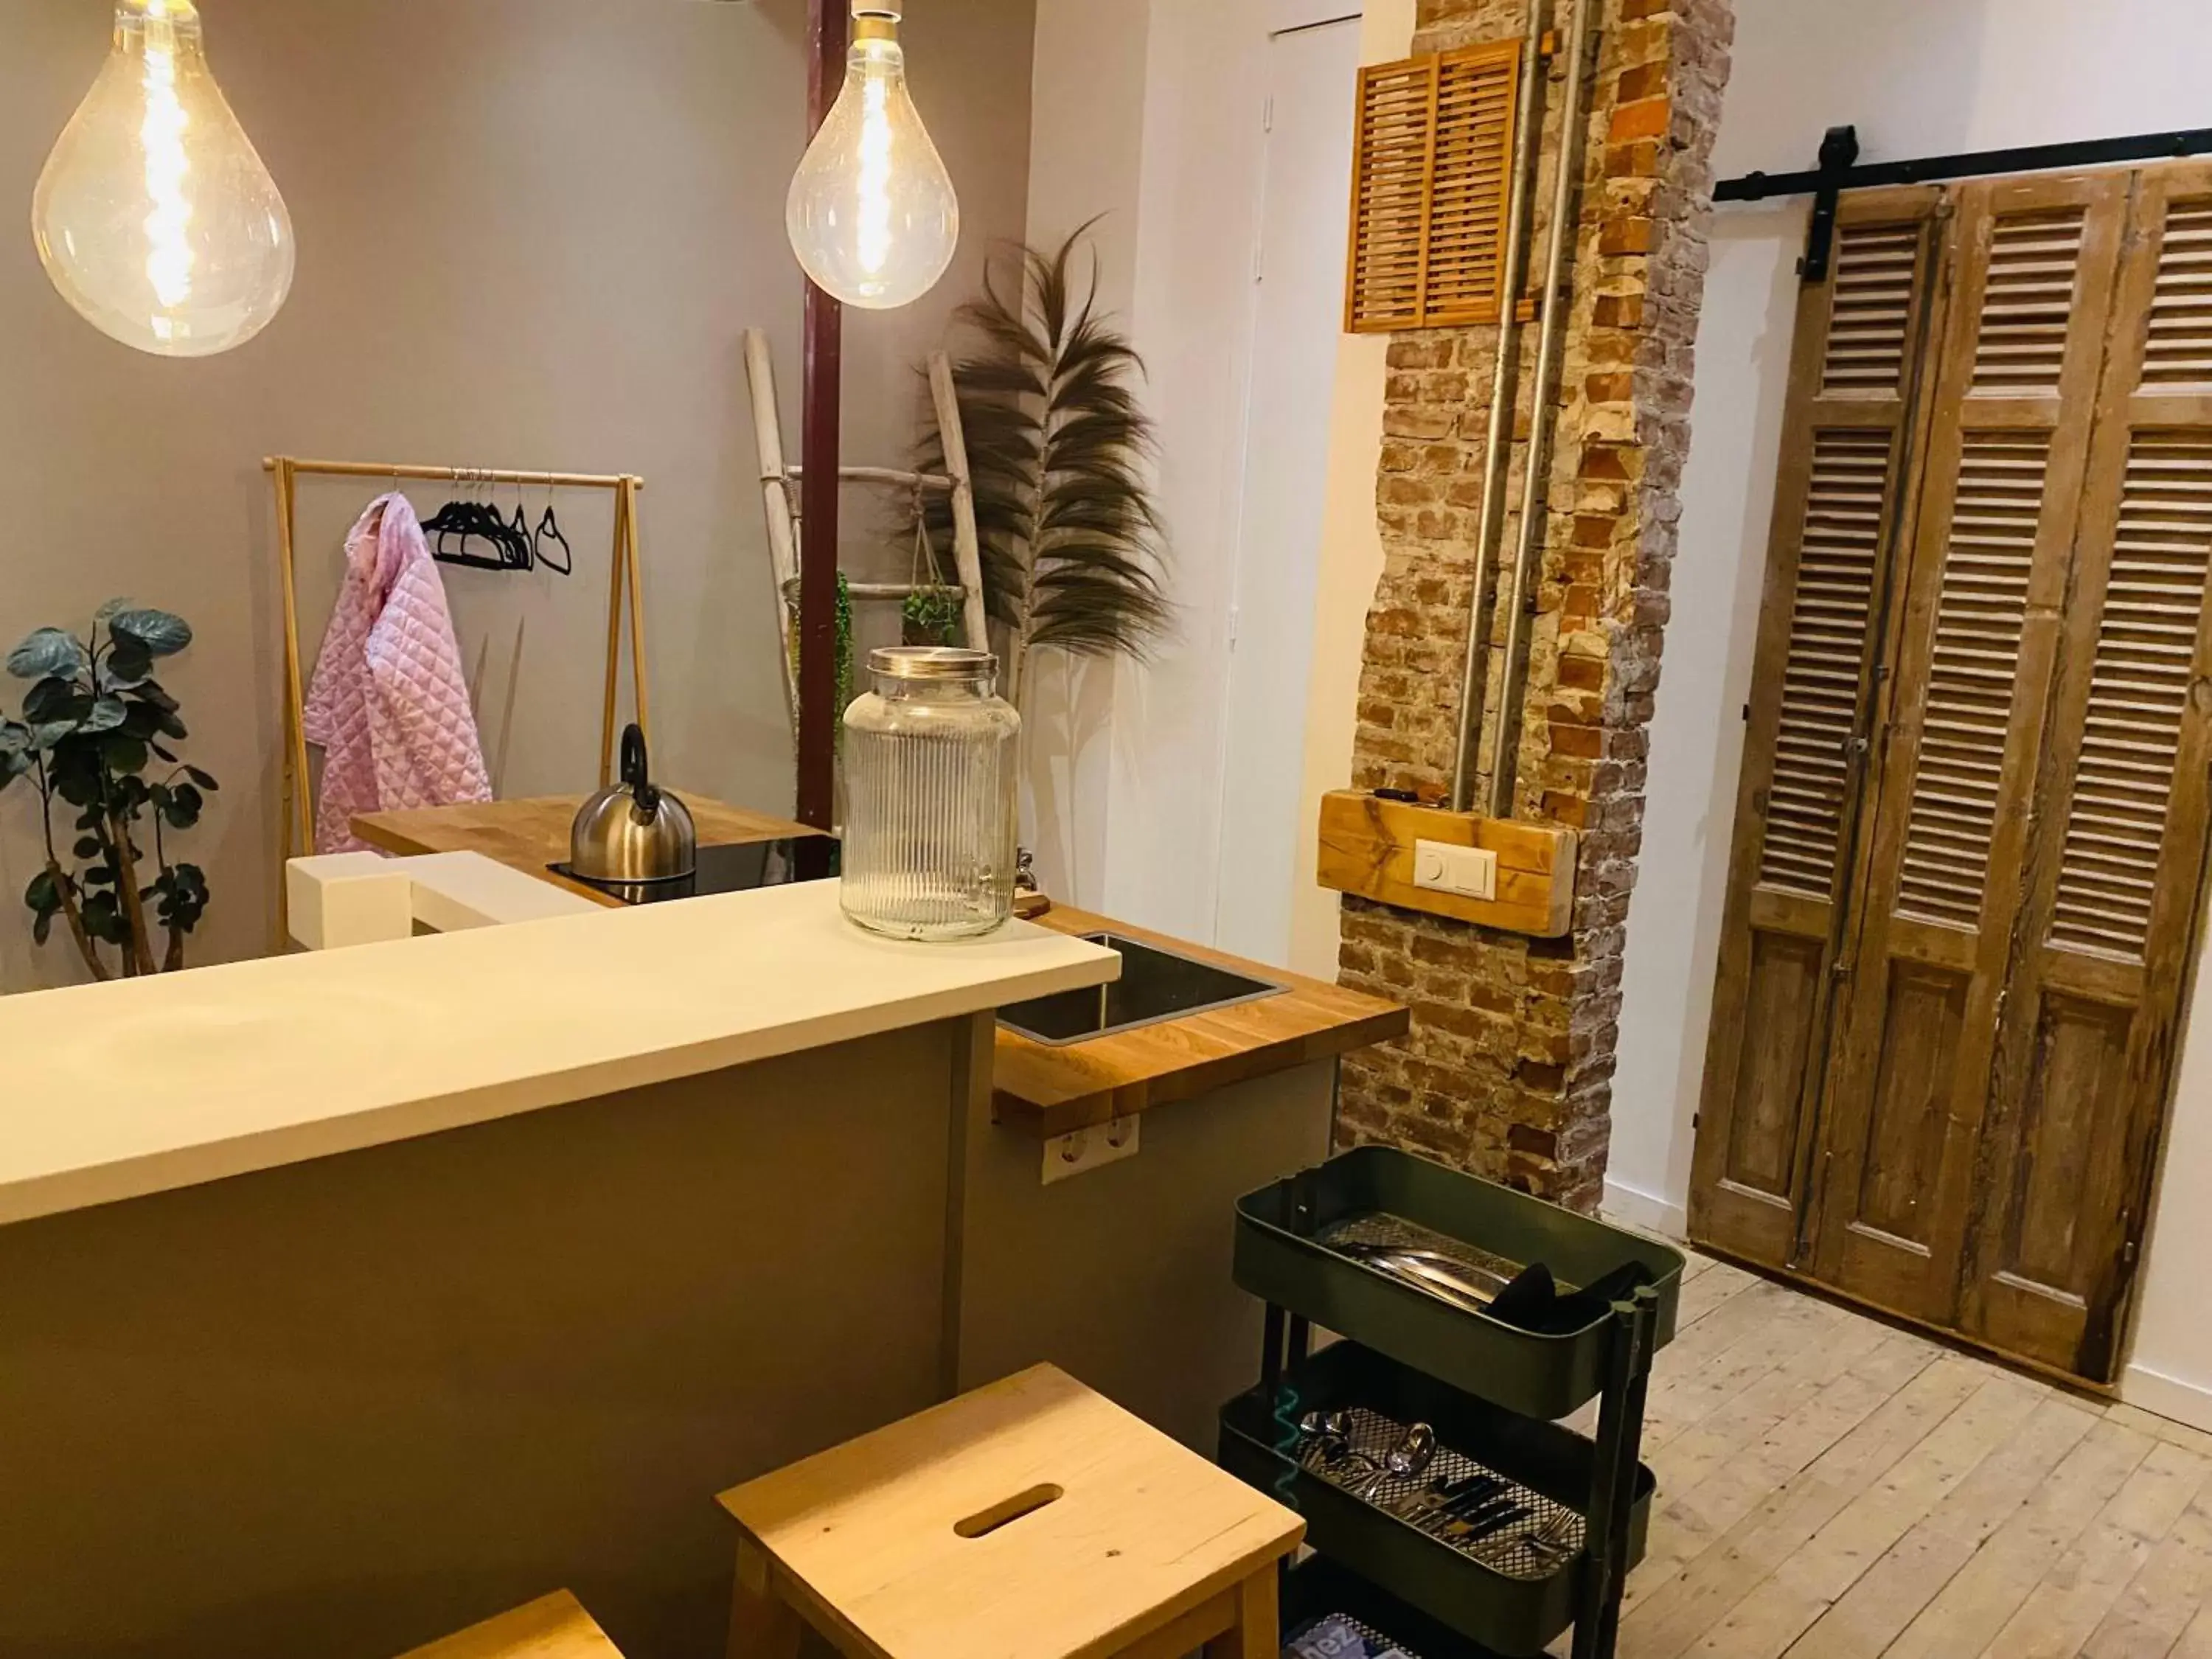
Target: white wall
x,y
1916,79
1151,115
1351,566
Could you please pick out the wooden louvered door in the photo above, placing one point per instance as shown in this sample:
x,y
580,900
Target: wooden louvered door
x,y
1952,973
1845,487
1967,704
2102,946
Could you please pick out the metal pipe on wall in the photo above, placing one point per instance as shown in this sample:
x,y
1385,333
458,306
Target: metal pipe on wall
x,y
1577,43
1498,435
819,425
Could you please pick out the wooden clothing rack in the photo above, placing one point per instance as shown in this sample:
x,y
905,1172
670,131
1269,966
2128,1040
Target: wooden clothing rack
x,y
780,490
621,585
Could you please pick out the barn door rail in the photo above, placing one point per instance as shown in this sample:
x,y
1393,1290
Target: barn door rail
x,y
1839,169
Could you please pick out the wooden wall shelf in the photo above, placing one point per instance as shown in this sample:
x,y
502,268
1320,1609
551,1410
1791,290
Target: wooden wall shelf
x,y
1367,848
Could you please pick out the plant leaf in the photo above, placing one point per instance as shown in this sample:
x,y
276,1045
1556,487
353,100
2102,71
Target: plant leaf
x,y
88,846
123,752
204,779
182,807
129,667
110,610
105,715
49,699
46,736
44,893
49,650
1071,542
163,633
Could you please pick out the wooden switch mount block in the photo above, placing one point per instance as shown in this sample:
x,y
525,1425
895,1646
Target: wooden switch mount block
x,y
1367,848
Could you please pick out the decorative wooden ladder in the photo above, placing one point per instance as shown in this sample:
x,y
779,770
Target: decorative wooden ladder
x,y
779,482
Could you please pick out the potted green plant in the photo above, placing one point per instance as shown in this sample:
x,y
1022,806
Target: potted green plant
x,y
95,737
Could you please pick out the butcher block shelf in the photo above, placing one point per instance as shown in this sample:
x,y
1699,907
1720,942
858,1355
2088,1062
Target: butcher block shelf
x,y
1367,849
1055,1091
532,834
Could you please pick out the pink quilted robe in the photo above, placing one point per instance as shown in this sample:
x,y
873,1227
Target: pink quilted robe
x,y
389,703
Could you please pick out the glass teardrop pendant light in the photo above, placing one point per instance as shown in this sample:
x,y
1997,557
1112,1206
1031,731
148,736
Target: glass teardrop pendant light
x,y
154,217
872,214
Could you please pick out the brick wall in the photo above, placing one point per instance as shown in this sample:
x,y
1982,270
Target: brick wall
x,y
1508,1068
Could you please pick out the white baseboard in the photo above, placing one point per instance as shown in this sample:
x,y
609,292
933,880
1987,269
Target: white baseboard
x,y
1648,1210
2167,1396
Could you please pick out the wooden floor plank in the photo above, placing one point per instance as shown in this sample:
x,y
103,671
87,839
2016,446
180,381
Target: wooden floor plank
x,y
1679,1529
1808,1583
2196,1642
1889,1594
1759,1341
1709,1291
2069,1600
2157,1603
1970,1611
1809,1492
1872,1523
1833,1488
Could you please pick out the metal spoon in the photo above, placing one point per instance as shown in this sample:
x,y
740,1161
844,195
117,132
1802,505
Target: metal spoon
x,y
1415,1450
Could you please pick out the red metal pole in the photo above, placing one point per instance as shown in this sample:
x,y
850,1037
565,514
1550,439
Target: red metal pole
x,y
818,453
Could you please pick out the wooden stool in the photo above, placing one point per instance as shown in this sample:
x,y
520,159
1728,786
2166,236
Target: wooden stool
x,y
553,1626
1032,1519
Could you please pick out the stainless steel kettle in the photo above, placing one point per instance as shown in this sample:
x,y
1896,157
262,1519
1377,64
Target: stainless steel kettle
x,y
633,831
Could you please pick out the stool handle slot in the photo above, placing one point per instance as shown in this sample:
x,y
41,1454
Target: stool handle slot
x,y
1006,1509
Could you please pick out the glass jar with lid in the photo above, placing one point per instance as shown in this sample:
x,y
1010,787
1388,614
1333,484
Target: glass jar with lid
x,y
930,795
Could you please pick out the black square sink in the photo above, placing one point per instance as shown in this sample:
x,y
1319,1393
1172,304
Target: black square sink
x,y
1155,985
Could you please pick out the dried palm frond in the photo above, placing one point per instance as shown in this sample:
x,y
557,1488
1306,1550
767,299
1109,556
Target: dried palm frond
x,y
1058,450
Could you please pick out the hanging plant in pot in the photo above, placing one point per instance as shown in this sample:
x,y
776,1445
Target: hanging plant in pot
x,y
1059,450
96,739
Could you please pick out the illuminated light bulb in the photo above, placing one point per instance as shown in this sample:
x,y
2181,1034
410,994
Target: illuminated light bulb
x,y
154,217
872,213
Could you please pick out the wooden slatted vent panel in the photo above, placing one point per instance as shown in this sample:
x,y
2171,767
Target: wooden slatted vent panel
x,y
1475,90
1430,173
2138,690
1875,268
2028,303
1973,663
1389,194
1828,620
2178,353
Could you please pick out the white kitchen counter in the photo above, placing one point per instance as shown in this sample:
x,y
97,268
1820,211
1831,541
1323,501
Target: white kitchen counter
x,y
138,1086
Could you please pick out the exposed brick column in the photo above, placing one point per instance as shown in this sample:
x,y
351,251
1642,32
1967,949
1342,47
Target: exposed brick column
x,y
1507,1069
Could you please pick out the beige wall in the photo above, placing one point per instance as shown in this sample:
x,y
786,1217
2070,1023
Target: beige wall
x,y
531,232
345,1406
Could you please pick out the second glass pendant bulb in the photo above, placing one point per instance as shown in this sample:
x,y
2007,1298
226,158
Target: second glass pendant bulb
x,y
872,214
154,217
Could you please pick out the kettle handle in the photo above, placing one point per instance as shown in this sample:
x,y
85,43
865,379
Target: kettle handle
x,y
633,770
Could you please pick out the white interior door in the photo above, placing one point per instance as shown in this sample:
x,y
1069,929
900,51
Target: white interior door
x,y
1297,316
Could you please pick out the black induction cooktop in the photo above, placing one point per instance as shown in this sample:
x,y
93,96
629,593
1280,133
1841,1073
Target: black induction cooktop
x,y
730,869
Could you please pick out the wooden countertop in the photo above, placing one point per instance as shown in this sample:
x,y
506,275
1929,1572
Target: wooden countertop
x,y
1055,1090
532,834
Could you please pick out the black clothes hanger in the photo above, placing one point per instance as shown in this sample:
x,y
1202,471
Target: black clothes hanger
x,y
549,527
480,521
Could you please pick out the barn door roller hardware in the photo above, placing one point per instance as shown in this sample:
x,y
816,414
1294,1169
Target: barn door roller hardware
x,y
1838,172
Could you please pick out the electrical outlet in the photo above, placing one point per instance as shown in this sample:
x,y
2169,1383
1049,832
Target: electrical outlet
x,y
1469,872
1088,1149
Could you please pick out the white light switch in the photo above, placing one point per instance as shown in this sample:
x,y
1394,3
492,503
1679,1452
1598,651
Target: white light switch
x,y
1469,872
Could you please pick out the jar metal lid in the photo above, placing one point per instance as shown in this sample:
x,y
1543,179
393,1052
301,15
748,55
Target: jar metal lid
x,y
931,662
